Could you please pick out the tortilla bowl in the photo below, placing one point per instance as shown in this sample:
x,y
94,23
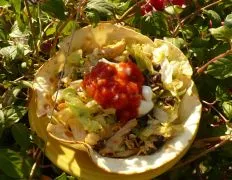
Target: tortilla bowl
x,y
78,158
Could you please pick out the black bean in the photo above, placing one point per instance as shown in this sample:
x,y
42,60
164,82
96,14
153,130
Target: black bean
x,y
142,121
132,58
160,141
151,151
157,67
100,144
169,100
156,78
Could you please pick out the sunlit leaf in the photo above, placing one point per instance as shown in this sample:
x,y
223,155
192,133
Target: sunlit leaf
x,y
71,25
64,176
51,31
221,69
178,42
13,164
228,21
17,33
174,10
4,3
17,5
13,114
9,52
221,33
227,109
2,122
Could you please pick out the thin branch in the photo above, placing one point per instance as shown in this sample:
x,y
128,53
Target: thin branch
x,y
129,11
219,113
204,141
31,27
202,68
33,169
192,15
197,156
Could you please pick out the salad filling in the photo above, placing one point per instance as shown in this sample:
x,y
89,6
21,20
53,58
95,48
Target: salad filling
x,y
122,100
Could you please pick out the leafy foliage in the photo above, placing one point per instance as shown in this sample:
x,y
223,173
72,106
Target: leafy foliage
x,y
221,69
30,31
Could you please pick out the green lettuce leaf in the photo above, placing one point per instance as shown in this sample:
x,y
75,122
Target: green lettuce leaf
x,y
141,58
80,110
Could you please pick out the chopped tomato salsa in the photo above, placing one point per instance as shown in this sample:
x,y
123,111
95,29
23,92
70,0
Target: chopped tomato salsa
x,y
116,86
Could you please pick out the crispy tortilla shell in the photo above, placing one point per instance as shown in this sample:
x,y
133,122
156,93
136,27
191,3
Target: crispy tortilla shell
x,y
76,157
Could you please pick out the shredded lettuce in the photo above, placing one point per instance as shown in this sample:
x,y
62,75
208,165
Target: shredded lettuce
x,y
165,113
92,117
82,112
142,58
75,58
167,130
160,53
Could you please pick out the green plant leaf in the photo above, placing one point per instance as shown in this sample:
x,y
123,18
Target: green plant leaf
x,y
17,33
3,31
2,122
102,7
4,3
21,135
222,93
64,176
51,31
69,28
221,69
17,5
190,31
93,17
154,25
13,114
9,52
174,10
54,8
214,17
227,109
178,42
221,33
228,21
13,164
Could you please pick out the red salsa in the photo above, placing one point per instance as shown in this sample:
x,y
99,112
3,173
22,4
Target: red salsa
x,y
116,86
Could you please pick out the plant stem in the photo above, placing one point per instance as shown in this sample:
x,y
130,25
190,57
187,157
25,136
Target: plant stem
x,y
204,141
190,16
40,26
31,26
181,164
127,13
202,68
34,166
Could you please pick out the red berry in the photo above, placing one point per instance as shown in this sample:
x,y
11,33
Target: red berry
x,y
146,8
178,2
159,5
